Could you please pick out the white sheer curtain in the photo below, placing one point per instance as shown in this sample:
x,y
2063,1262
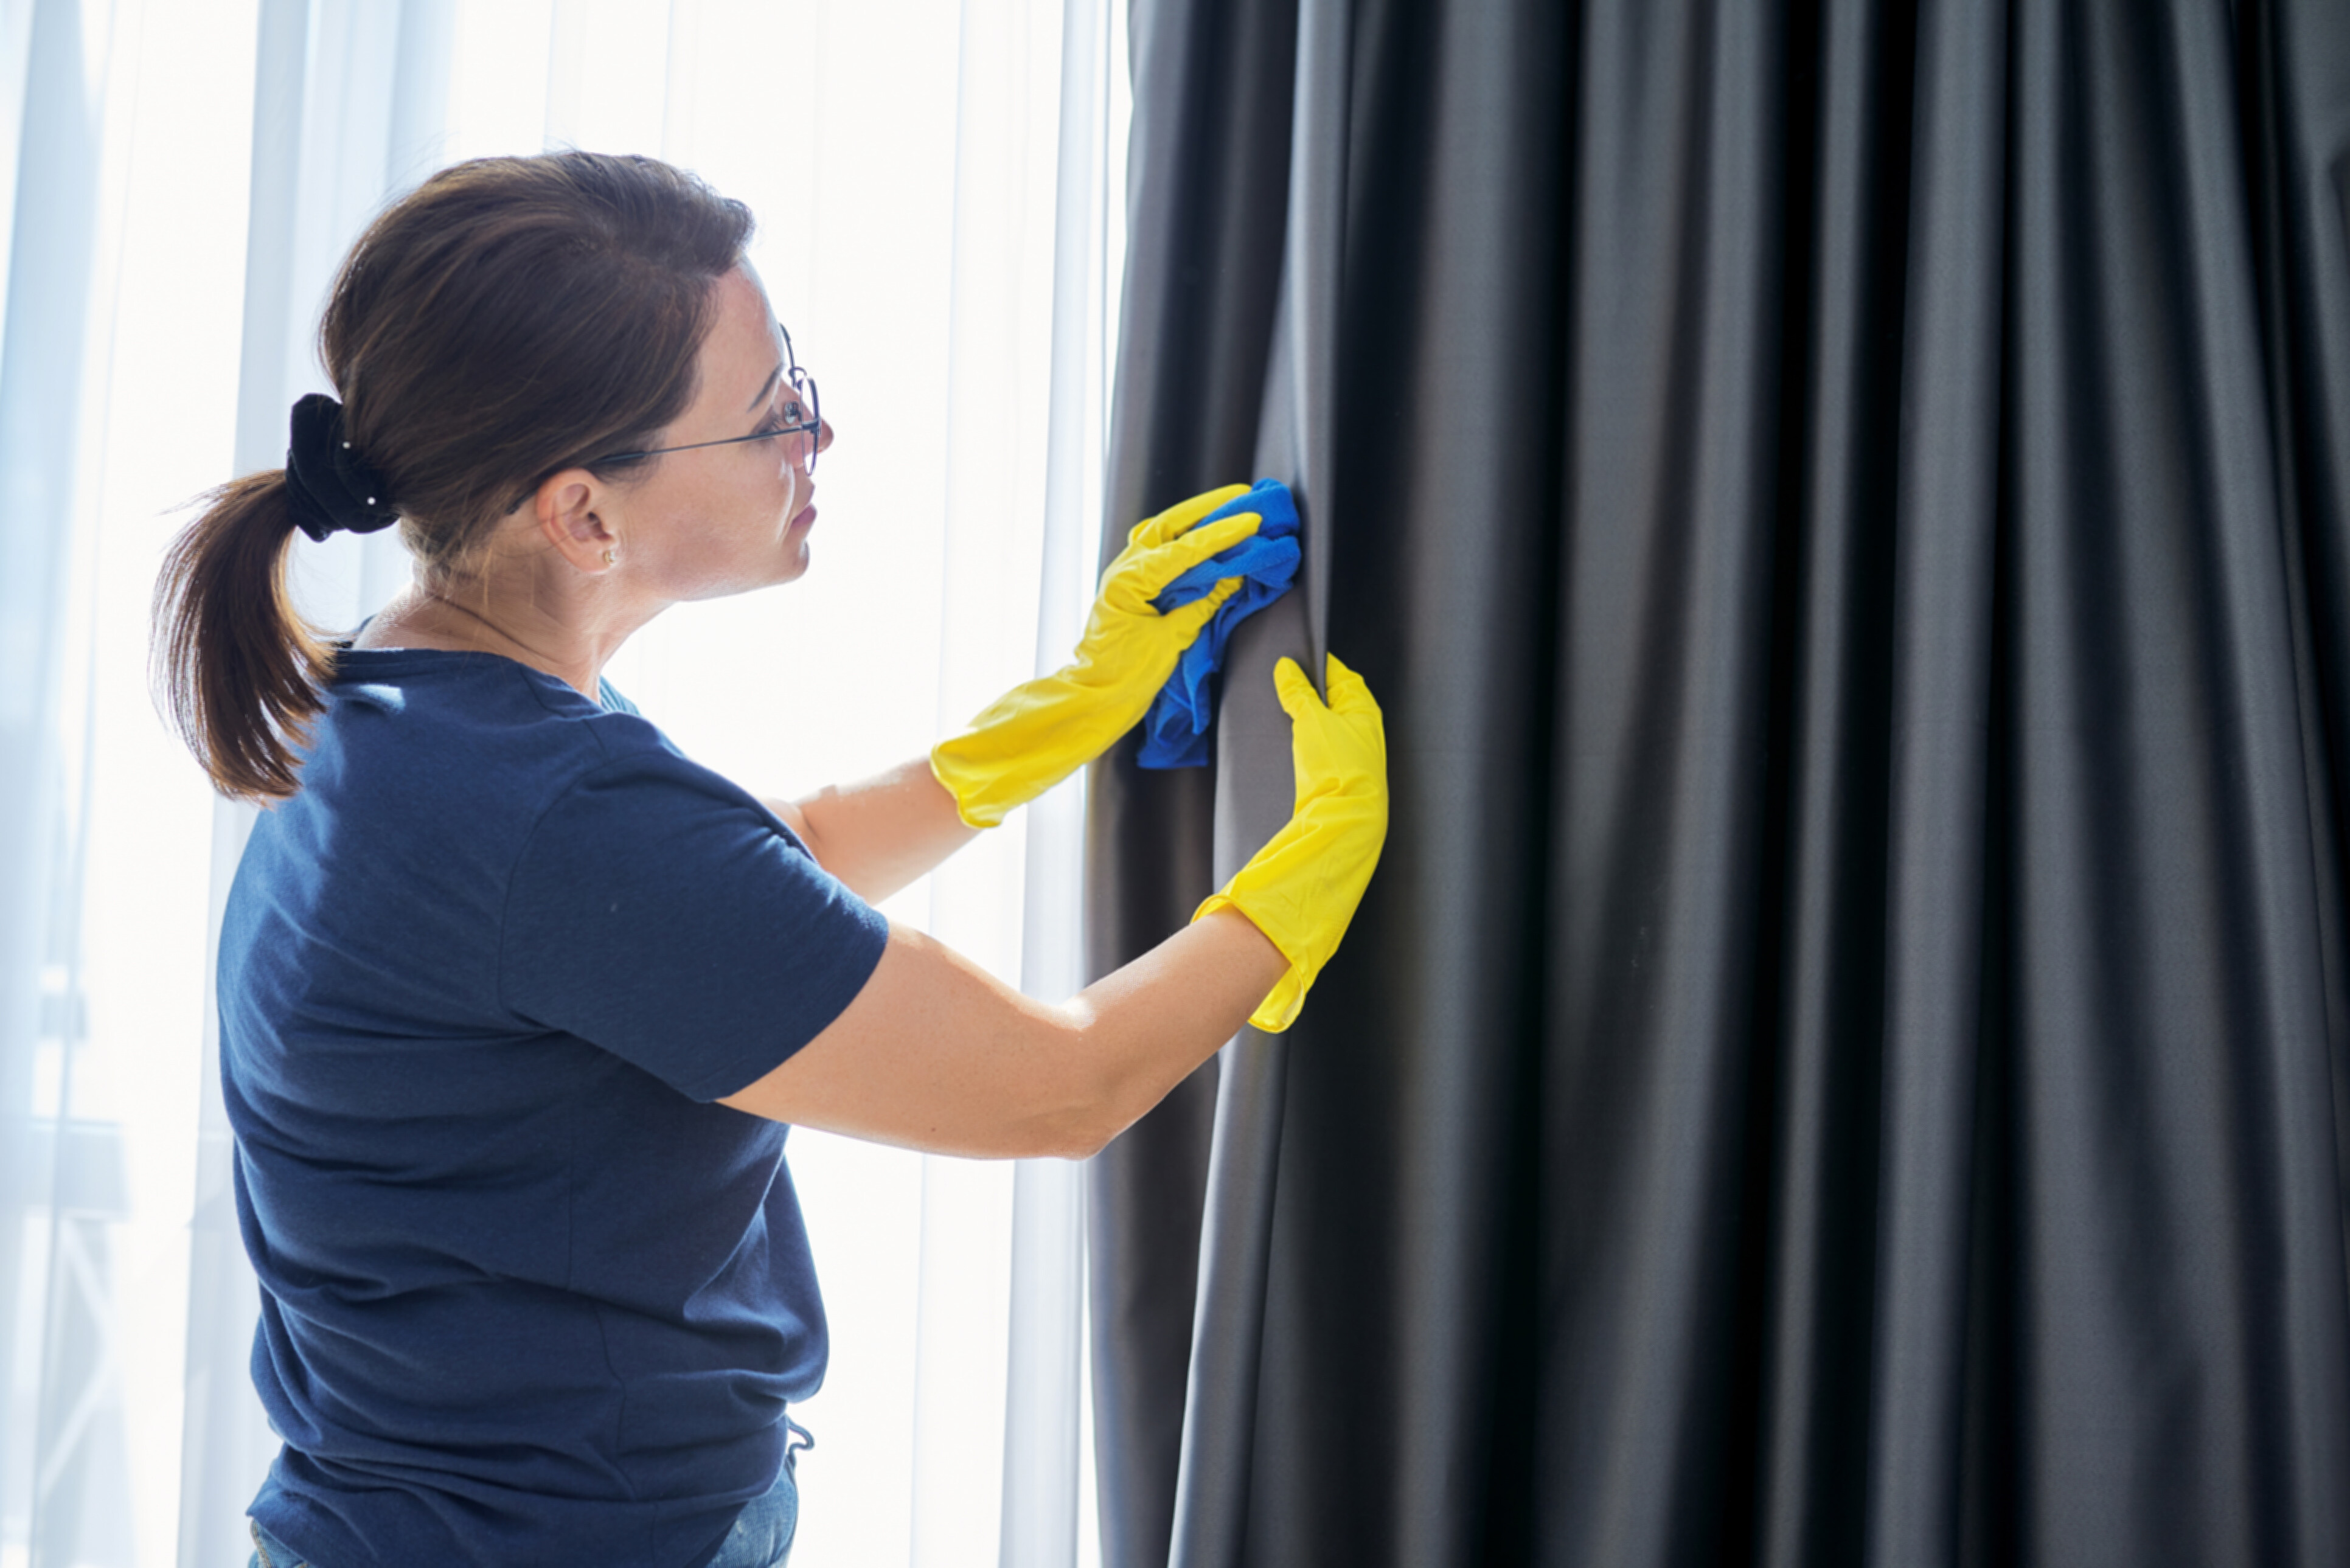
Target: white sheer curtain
x,y
939,187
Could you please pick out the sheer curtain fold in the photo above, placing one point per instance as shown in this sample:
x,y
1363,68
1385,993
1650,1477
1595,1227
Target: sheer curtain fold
x,y
99,986
47,1445
1048,1517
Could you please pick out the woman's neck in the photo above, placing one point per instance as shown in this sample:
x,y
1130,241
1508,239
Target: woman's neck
x,y
474,619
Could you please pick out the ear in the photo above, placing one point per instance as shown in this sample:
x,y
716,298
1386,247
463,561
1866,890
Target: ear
x,y
571,508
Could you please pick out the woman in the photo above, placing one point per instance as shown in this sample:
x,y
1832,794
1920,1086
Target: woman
x,y
516,999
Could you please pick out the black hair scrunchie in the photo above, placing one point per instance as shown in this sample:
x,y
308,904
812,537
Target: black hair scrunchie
x,y
329,488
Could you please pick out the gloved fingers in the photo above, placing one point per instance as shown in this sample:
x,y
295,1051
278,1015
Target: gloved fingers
x,y
1142,578
1187,621
1349,693
1297,694
1177,520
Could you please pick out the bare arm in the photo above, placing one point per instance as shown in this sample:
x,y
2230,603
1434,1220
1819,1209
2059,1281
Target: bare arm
x,y
936,1054
880,834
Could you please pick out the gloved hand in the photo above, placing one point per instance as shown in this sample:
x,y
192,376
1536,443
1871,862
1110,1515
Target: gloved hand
x,y
1301,889
1037,734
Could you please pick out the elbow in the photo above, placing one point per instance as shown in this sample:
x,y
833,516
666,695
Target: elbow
x,y
1071,1134
1080,1143
1094,1134
1078,1130
1093,1105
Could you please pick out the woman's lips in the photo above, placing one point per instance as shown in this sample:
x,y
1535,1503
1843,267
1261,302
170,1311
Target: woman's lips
x,y
804,517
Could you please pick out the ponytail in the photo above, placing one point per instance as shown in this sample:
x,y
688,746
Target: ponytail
x,y
239,675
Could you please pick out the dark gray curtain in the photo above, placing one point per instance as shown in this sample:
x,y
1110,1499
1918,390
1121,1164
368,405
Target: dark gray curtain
x,y
1847,509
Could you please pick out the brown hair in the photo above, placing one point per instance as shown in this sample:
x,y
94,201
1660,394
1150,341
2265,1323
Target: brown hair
x,y
508,319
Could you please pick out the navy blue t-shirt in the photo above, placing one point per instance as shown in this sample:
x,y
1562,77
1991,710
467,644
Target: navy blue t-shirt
x,y
527,1297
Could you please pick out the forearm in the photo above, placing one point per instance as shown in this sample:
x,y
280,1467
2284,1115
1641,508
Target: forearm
x,y
937,1053
880,834
1147,1027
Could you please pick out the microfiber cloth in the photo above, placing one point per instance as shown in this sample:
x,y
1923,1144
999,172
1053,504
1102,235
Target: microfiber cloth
x,y
1175,730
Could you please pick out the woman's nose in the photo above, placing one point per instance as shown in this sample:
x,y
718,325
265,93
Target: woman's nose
x,y
800,455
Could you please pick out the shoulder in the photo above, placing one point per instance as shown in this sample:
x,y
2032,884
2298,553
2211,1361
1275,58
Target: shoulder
x,y
469,729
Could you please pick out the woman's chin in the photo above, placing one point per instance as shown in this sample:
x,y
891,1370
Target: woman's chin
x,y
796,557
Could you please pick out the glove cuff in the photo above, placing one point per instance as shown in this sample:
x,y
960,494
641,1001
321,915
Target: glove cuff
x,y
968,788
1283,1003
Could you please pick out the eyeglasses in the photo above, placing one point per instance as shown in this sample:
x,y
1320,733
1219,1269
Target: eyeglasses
x,y
802,414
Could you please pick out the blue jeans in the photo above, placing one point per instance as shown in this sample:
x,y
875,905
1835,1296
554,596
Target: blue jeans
x,y
761,1538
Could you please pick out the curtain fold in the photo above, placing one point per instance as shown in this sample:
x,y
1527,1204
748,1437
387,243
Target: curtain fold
x,y
1844,1060
1297,436
1208,173
2293,66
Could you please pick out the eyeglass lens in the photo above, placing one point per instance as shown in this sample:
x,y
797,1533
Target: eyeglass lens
x,y
811,405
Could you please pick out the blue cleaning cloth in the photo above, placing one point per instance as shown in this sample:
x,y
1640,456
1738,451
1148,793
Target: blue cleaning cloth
x,y
1175,730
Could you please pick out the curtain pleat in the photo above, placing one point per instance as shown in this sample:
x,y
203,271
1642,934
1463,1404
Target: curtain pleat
x,y
1208,169
2294,105
1844,1060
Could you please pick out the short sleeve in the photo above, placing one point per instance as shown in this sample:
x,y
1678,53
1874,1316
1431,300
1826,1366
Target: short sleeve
x,y
660,912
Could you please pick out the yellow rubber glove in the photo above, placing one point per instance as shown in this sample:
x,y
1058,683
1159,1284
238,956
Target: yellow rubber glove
x,y
1301,889
1035,735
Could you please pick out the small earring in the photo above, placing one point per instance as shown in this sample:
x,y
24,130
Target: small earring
x,y
610,556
